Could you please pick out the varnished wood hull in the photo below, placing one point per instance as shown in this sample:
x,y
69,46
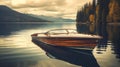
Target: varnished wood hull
x,y
71,55
77,43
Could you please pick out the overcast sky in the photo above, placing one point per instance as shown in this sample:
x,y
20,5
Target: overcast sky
x,y
56,8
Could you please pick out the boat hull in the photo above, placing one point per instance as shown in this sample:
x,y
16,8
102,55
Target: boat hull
x,y
86,44
74,56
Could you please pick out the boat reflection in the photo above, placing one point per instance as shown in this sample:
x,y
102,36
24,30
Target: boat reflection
x,y
76,57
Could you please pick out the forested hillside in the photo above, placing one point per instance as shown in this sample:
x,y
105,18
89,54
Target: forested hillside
x,y
98,14
93,10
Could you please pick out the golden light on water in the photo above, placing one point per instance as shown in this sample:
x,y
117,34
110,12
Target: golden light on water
x,y
17,40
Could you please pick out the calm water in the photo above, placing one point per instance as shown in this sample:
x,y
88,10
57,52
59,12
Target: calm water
x,y
17,49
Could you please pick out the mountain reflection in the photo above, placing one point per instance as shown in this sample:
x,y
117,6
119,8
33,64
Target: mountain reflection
x,y
7,29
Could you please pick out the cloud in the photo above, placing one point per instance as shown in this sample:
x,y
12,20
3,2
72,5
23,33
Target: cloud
x,y
5,2
36,3
61,8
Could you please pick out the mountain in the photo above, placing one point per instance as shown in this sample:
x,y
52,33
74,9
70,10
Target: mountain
x,y
9,15
53,19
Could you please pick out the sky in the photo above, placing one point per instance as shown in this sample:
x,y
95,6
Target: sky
x,y
55,8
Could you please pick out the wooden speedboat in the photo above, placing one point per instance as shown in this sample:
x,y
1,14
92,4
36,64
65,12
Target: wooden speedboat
x,y
67,38
74,56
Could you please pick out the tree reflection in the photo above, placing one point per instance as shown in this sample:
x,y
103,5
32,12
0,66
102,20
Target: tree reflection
x,y
102,45
116,39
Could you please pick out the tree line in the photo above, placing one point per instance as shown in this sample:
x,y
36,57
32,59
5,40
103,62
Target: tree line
x,y
89,11
99,13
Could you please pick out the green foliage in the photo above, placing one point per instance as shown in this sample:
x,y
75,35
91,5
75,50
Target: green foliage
x,y
83,15
105,10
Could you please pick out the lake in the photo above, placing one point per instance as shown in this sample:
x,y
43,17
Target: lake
x,y
17,49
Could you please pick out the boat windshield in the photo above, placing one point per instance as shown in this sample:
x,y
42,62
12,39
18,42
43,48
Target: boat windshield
x,y
72,31
62,31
